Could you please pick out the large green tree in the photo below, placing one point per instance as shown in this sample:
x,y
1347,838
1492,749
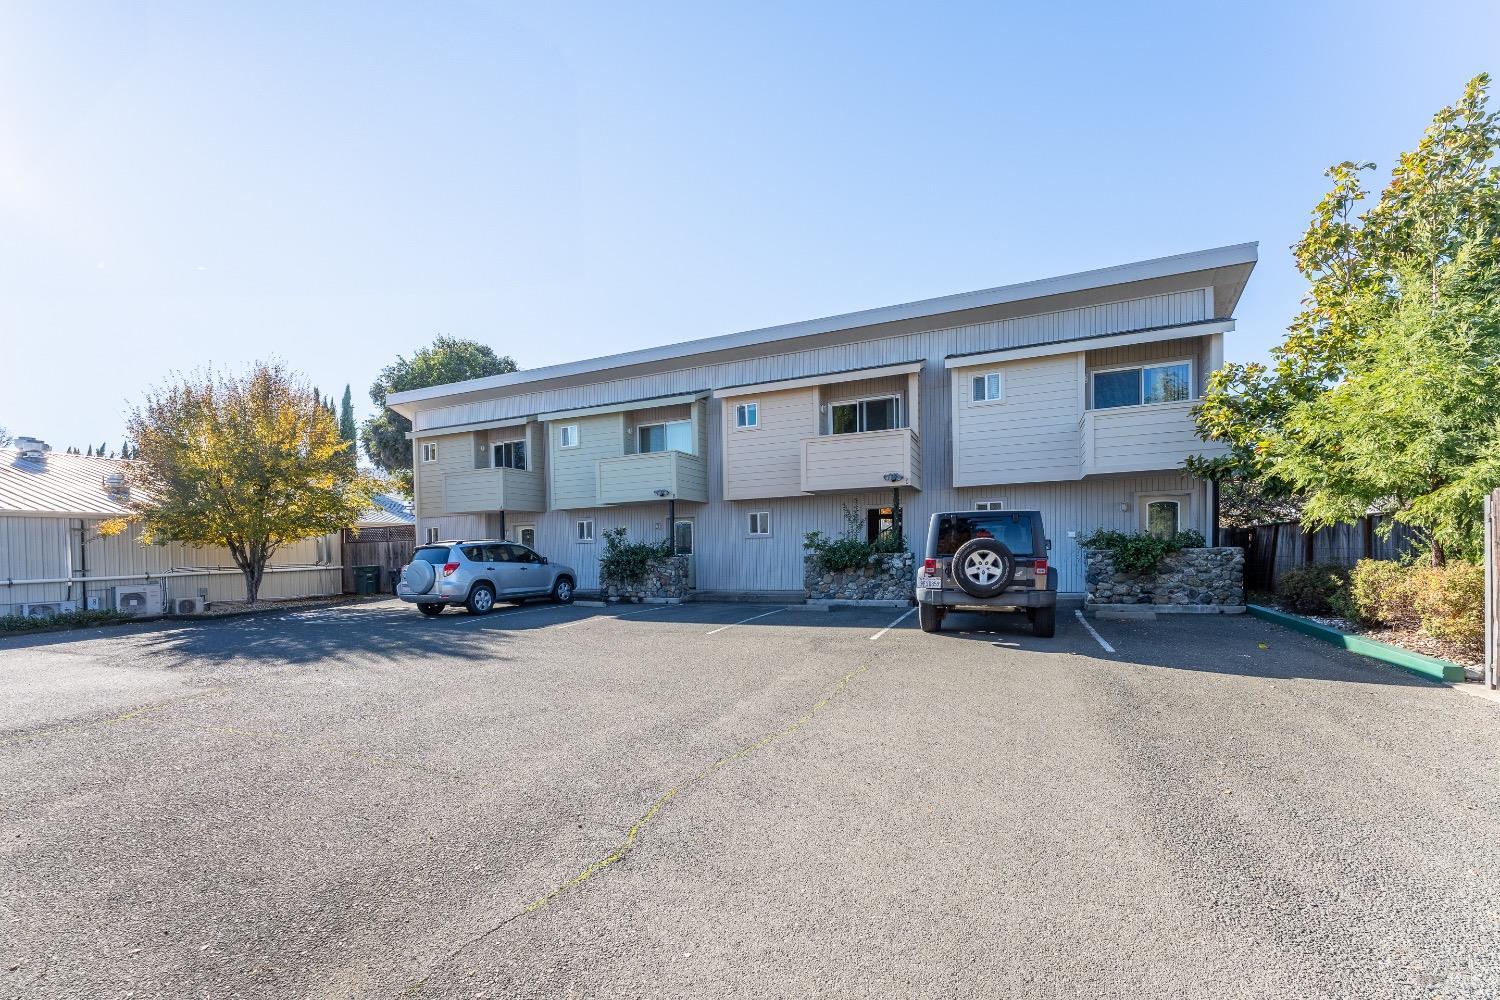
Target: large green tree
x,y
251,463
447,359
1385,393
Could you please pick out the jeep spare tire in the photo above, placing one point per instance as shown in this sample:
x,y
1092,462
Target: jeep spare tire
x,y
419,576
983,567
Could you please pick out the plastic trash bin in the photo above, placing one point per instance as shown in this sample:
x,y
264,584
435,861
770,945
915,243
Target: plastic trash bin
x,y
367,579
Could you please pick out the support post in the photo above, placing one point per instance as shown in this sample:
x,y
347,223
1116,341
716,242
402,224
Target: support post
x,y
672,523
1491,592
502,523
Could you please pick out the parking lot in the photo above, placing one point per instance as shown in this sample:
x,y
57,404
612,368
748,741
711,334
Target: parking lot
x,y
713,800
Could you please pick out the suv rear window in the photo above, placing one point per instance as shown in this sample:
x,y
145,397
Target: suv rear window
x,y
435,554
1014,529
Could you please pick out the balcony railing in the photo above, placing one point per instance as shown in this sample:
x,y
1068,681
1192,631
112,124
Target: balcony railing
x,y
1151,438
480,491
636,478
846,463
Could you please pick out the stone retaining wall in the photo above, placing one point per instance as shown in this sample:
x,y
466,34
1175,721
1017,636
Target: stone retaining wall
x,y
886,577
1207,577
666,580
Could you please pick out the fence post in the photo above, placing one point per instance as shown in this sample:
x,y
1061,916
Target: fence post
x,y
1491,592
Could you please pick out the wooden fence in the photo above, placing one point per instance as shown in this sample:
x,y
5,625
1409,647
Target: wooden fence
x,y
1272,549
388,548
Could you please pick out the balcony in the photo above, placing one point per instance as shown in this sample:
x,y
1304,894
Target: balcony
x,y
483,491
636,478
1151,438
852,463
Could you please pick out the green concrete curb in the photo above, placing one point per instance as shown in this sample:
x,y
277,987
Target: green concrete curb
x,y
1416,663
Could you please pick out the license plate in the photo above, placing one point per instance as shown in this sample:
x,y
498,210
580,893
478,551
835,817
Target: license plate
x,y
925,582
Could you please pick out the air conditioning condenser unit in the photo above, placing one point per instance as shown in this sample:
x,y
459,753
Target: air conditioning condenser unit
x,y
49,609
188,606
139,599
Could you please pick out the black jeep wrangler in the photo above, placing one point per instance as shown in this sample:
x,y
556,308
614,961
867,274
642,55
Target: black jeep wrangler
x,y
987,560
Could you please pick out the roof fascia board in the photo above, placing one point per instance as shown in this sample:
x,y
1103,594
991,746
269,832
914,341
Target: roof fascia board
x,y
487,425
634,404
833,378
1089,344
1199,260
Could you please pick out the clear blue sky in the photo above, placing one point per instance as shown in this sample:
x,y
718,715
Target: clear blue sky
x,y
335,184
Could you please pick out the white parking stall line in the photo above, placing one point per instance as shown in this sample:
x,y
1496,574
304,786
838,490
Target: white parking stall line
x,y
516,611
750,619
893,624
1093,632
623,614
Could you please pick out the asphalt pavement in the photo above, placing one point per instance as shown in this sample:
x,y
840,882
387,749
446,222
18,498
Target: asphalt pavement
x,y
721,800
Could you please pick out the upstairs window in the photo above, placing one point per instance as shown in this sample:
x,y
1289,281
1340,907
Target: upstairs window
x,y
567,436
429,451
1167,383
510,455
674,436
855,416
986,387
747,416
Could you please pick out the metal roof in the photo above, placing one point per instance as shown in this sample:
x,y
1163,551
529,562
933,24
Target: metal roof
x,y
388,511
58,484
1199,260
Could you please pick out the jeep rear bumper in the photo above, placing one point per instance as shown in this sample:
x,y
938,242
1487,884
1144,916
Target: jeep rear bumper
x,y
1012,600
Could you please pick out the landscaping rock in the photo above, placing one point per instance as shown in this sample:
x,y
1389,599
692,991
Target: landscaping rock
x,y
665,580
1204,577
886,577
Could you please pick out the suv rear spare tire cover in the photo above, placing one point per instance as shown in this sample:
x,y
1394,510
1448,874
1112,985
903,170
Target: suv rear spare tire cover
x,y
419,576
983,567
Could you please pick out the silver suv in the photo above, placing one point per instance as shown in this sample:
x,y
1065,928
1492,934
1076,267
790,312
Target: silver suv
x,y
477,574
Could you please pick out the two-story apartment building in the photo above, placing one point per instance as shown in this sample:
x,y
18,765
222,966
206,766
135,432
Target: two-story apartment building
x,y
1071,395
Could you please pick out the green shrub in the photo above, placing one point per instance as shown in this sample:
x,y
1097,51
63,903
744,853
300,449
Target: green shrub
x,y
12,624
1140,552
1450,603
849,551
1382,592
1443,602
625,561
1312,590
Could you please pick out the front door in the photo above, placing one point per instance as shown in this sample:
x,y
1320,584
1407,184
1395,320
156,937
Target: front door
x,y
526,535
682,544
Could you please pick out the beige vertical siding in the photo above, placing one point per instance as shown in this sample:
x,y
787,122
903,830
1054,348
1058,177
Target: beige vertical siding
x,y
456,453
574,475
1029,434
38,548
766,461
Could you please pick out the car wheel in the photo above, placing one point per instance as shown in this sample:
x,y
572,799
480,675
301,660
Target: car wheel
x,y
481,600
430,610
930,617
1044,622
562,590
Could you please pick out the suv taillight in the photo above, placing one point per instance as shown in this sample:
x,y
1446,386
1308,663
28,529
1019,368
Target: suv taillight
x,y
1039,569
450,568
929,566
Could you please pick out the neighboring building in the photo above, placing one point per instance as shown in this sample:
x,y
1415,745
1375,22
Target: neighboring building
x,y
1071,394
384,537
51,553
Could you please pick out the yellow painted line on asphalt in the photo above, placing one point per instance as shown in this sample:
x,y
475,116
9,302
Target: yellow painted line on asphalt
x,y
750,619
893,624
634,833
624,614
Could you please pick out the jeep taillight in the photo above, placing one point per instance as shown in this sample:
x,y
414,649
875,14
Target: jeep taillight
x,y
450,568
1039,568
929,566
